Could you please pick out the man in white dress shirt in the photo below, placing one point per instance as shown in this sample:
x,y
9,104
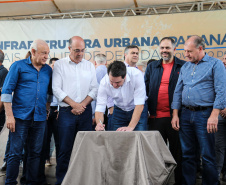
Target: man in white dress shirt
x,y
74,86
127,89
131,54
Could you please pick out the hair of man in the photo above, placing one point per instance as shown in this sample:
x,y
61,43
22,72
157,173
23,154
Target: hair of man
x,y
2,56
117,68
198,41
171,39
130,47
28,54
35,44
70,42
53,59
100,58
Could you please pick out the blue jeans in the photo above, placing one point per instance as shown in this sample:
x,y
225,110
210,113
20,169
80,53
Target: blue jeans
x,y
41,173
193,133
7,150
121,118
109,128
68,126
220,141
33,133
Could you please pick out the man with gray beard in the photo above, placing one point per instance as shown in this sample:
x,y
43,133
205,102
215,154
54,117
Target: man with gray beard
x,y
160,80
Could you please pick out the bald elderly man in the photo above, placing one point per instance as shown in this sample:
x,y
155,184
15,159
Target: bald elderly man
x,y
74,86
29,80
199,95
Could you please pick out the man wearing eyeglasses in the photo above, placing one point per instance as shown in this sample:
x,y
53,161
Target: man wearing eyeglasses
x,y
74,86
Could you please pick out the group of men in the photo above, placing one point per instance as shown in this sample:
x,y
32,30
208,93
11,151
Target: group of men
x,y
193,91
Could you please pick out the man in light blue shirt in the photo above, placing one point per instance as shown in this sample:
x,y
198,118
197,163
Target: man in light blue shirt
x,y
101,69
199,95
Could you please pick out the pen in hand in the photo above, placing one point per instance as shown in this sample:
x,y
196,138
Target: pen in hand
x,y
101,123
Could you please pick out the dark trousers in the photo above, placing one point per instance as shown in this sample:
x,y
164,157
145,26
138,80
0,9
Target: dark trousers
x,y
163,125
52,130
68,126
41,170
32,132
121,118
193,132
7,149
109,126
2,120
220,143
224,166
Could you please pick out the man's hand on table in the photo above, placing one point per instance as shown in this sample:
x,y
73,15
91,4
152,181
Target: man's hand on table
x,y
125,129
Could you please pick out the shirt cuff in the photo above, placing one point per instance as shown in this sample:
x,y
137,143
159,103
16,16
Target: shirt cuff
x,y
220,106
92,95
6,98
139,101
62,96
176,106
100,108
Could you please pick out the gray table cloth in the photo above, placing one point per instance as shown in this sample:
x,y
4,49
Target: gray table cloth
x,y
119,158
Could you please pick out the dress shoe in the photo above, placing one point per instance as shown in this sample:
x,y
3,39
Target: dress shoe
x,y
48,163
199,175
224,177
4,166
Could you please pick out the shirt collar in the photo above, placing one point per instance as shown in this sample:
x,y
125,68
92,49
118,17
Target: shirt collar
x,y
28,60
1,67
205,58
101,66
127,65
70,61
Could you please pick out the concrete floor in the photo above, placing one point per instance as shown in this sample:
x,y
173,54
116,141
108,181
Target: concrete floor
x,y
49,170
50,174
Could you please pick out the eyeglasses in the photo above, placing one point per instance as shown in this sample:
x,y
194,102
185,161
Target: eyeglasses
x,y
78,50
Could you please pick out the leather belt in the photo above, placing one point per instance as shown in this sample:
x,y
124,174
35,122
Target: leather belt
x,y
198,108
53,107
